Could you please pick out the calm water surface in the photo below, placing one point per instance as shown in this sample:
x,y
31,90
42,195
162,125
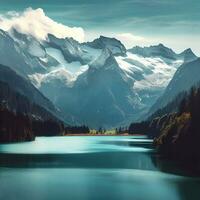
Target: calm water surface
x,y
91,168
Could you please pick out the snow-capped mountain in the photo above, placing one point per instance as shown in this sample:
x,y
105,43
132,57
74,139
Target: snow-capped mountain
x,y
98,83
100,96
164,52
188,55
185,77
154,51
115,46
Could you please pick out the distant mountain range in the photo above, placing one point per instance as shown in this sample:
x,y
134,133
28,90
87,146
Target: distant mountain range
x,y
98,83
165,52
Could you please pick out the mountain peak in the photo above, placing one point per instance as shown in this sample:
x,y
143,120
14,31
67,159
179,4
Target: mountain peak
x,y
53,37
188,55
114,45
102,60
155,50
188,50
161,45
104,37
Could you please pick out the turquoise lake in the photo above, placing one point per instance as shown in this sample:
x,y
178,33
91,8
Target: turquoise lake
x,y
91,168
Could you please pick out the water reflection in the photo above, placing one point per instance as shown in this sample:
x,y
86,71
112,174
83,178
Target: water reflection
x,y
95,184
124,160
73,145
88,152
93,168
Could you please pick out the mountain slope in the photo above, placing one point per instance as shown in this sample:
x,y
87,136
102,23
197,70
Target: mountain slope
x,y
185,77
14,127
21,53
188,55
176,132
25,88
56,66
64,63
114,45
16,102
84,79
179,138
22,120
103,94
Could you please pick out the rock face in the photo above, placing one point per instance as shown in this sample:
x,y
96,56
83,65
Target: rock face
x,y
114,45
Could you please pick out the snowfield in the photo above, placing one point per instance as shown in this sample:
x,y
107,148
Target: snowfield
x,y
148,73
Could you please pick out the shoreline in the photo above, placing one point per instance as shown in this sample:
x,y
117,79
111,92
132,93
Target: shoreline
x,y
82,134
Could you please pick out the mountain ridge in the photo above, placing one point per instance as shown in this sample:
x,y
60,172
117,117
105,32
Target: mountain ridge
x,y
56,66
185,77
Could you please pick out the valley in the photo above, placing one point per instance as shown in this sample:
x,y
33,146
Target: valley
x,y
99,100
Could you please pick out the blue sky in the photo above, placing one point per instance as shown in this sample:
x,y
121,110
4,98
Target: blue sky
x,y
176,23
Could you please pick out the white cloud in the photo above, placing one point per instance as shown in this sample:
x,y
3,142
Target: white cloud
x,y
37,24
129,39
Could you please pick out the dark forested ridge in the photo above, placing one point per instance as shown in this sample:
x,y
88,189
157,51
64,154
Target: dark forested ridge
x,y
14,127
16,102
77,130
25,112
181,136
22,120
176,134
25,88
154,123
171,107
